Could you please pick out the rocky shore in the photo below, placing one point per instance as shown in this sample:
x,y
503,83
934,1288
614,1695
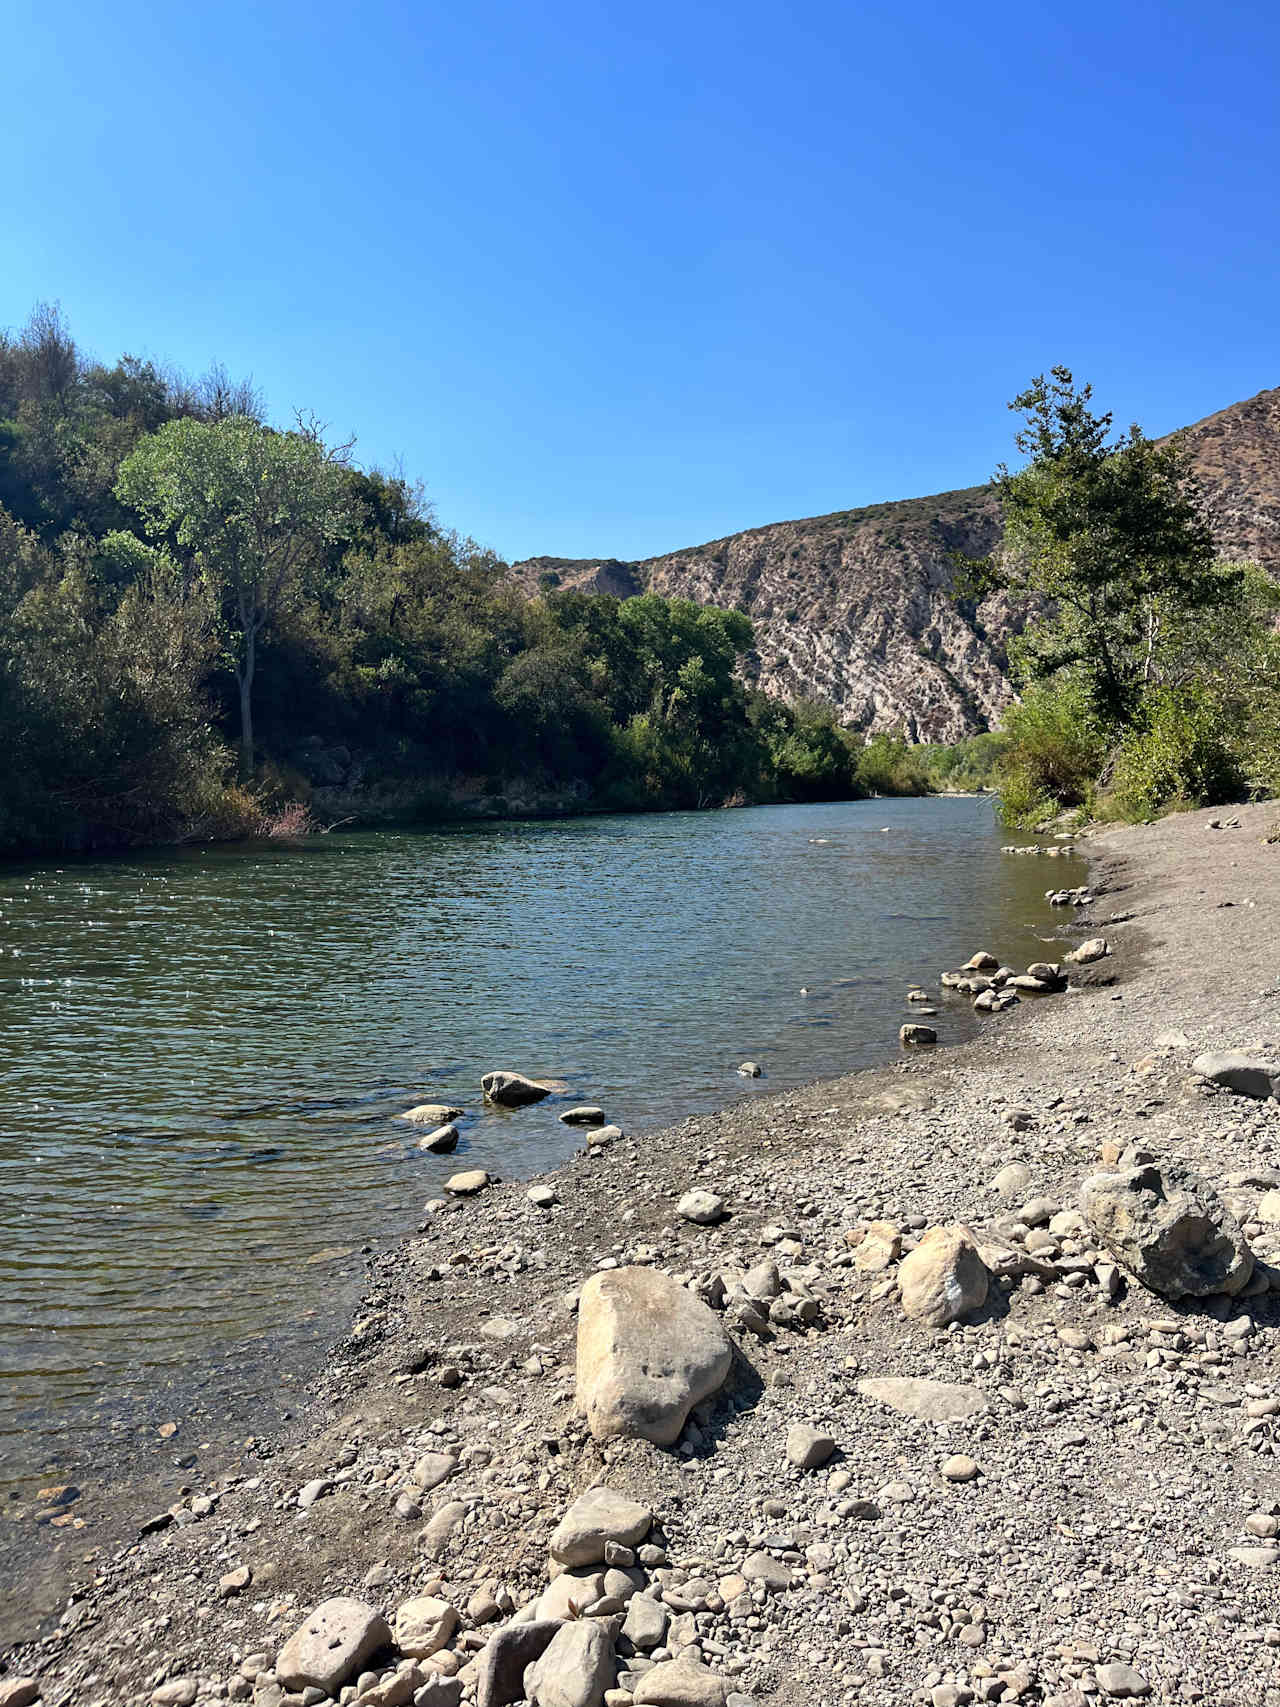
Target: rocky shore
x,y
954,1381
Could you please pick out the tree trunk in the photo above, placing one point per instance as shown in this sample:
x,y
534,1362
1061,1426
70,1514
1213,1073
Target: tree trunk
x,y
244,677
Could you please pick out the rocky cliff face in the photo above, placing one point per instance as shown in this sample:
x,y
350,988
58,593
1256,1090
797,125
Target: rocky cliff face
x,y
856,608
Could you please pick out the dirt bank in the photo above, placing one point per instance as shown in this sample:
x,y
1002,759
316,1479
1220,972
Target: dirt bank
x,y
1116,1457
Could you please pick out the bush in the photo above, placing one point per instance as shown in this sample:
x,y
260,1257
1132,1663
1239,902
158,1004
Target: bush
x,y
889,764
1055,749
1178,754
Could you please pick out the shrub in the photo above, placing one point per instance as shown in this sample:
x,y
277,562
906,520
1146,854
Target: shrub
x,y
1178,753
1055,749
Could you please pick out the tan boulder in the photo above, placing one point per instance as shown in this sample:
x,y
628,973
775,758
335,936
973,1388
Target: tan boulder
x,y
648,1351
944,1278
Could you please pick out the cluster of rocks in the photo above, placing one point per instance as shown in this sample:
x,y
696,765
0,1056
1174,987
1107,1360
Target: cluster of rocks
x,y
1059,851
1082,897
995,987
500,1090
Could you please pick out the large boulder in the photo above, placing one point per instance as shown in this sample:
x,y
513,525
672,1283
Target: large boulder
x,y
331,1644
1246,1075
648,1351
944,1278
1170,1229
592,1521
575,1668
512,1090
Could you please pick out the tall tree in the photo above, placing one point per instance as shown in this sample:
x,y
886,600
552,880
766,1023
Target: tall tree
x,y
1104,535
251,510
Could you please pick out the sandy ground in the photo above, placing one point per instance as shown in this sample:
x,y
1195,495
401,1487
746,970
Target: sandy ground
x,y
1117,1458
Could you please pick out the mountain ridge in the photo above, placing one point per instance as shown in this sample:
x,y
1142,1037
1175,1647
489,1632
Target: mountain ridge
x,y
855,607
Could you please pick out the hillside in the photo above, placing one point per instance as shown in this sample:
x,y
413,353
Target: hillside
x,y
855,607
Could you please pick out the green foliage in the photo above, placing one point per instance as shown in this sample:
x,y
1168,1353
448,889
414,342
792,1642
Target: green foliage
x,y
174,572
1178,752
966,766
889,764
1104,540
1055,747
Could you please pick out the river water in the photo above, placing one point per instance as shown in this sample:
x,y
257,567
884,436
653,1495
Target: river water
x,y
203,1052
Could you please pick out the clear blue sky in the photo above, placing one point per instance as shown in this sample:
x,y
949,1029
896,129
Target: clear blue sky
x,y
614,280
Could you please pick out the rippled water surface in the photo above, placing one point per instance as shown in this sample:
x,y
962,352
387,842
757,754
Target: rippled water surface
x,y
203,1053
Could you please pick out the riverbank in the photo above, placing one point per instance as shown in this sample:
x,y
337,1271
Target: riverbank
x,y
1116,1462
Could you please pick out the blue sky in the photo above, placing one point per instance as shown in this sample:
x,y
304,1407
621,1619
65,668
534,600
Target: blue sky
x,y
615,280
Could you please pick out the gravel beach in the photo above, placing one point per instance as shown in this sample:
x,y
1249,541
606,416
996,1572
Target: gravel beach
x,y
1068,1493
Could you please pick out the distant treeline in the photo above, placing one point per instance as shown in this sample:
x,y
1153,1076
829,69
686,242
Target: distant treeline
x,y
203,617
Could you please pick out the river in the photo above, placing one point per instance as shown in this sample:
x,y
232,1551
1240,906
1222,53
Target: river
x,y
204,1052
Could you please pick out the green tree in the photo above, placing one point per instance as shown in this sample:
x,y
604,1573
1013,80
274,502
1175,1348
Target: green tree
x,y
251,510
1102,536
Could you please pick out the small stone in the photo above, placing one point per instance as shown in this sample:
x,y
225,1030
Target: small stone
x,y
762,1567
19,1691
959,1468
1122,1680
595,1519
542,1196
917,1036
680,1683
441,1140
808,1447
235,1581
467,1183
586,1115
1257,1558
424,1625
702,1207
179,1692
749,1070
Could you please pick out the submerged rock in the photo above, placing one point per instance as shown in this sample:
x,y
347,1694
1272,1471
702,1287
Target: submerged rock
x,y
648,1351
432,1113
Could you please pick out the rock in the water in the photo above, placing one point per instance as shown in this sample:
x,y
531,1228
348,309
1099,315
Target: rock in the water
x,y
441,1141
808,1447
944,1278
592,1521
424,1625
1246,1075
916,1035
931,1401
1170,1229
330,1645
702,1207
576,1667
749,1070
680,1683
587,1115
432,1113
982,961
648,1351
512,1090
501,1667
467,1183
